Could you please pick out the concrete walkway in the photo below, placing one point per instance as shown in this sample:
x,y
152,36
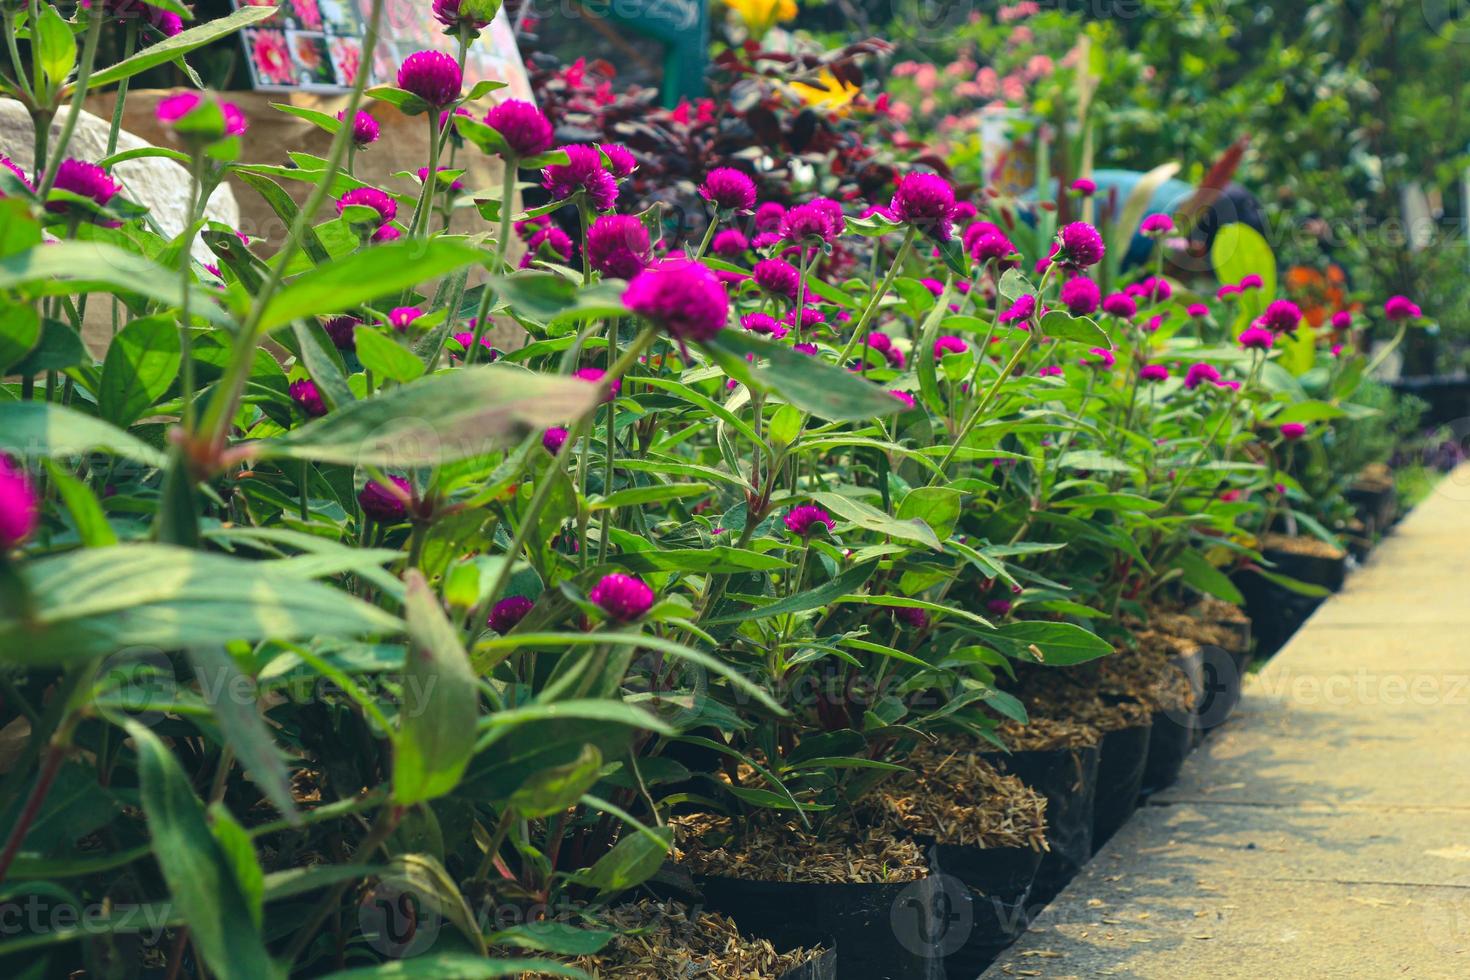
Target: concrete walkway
x,y
1324,832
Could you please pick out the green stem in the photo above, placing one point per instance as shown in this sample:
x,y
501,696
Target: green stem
x,y
74,112
860,330
482,312
130,44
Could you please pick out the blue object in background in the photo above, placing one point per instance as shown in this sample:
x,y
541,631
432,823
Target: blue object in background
x,y
682,26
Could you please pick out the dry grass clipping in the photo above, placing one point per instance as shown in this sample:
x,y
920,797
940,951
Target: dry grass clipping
x,y
956,797
779,850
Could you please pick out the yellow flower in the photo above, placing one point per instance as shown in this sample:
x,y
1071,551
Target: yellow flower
x,y
832,93
759,16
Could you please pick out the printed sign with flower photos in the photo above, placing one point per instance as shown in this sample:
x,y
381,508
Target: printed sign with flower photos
x,y
316,45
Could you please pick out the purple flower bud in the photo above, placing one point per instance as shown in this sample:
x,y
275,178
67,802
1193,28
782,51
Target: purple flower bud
x,y
582,173
1157,225
1401,308
1257,337
20,508
1198,373
1153,372
618,245
803,520
683,297
622,597
525,129
553,439
1081,296
431,75
308,397
508,613
1281,316
728,189
925,201
384,504
364,128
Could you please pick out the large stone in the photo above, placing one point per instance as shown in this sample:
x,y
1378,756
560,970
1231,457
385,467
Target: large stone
x,y
160,185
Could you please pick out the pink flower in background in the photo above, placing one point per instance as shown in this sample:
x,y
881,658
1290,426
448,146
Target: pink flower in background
x,y
1012,88
271,56
988,82
1038,66
926,78
1153,372
553,439
1021,37
384,504
308,14
346,58
1401,308
905,69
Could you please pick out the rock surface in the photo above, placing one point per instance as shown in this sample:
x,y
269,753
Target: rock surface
x,y
160,185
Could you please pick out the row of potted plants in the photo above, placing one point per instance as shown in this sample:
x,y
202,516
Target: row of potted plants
x,y
808,598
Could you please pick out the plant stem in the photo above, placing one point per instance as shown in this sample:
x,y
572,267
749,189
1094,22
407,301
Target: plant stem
x,y
74,112
130,44
387,820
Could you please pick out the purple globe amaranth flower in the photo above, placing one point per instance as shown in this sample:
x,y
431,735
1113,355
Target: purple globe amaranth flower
x,y
1153,323
583,173
1153,372
20,508
925,201
1021,310
914,619
343,331
681,296
949,344
594,376
992,246
431,75
810,350
447,12
1198,373
1084,187
1256,337
524,128
803,520
777,276
1049,371
1198,310
964,211
1251,281
763,325
768,217
466,338
364,128
1343,320
620,160
308,397
729,243
728,189
903,396
1228,292
618,245
166,22
553,439
622,597
20,174
175,107
508,613
400,318
1155,288
1292,431
1401,308
1120,305
809,224
1098,357
1081,245
1157,225
455,186
998,607
1281,316
386,233
810,318
1230,385
370,197
386,505
84,180
1081,296
550,242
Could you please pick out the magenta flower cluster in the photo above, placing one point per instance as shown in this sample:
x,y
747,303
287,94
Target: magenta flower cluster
x,y
623,598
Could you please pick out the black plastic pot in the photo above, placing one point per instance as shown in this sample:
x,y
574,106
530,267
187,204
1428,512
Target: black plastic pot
x,y
1068,780
1122,761
1277,612
879,931
996,886
1173,734
820,967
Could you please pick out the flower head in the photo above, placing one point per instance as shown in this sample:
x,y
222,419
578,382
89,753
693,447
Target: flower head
x,y
508,613
1198,310
728,189
20,174
992,246
809,224
1081,245
455,186
618,245
20,508
1227,292
681,296
1081,296
949,345
84,180
343,331
1281,316
1256,337
1292,431
905,397
466,339
553,439
729,243
550,242
524,128
1120,305
431,75
622,597
1342,320
1251,281
803,520
777,276
369,197
925,201
763,325
1098,357
1020,310
364,128
447,12
1153,372
620,160
1157,225
308,397
400,318
1401,308
383,504
768,216
583,172
594,376
1198,373
914,619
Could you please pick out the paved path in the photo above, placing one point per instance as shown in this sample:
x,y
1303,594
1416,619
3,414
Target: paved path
x,y
1324,832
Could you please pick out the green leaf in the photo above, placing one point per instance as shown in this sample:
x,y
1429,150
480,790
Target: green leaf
x,y
1049,644
811,384
66,267
365,276
955,259
55,46
1079,329
92,602
142,363
631,862
86,512
718,558
239,851
182,43
441,702
386,357
557,788
545,297
1239,250
1201,575
20,328
1307,411
871,518
849,581
406,102
59,348
586,709
938,507
457,966
553,937
42,429
200,879
448,416
232,697
1310,589
322,120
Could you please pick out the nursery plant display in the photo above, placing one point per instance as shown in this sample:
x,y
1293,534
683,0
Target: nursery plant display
x,y
790,584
